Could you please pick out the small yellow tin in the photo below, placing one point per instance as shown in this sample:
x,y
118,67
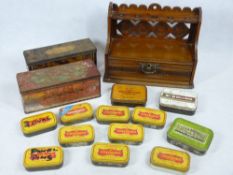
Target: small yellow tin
x,y
149,117
76,135
171,159
110,154
129,95
126,133
76,113
38,123
43,158
109,114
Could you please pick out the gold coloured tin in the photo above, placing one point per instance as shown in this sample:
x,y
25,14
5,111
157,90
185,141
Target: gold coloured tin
x,y
110,114
126,133
43,158
149,117
76,135
38,123
110,154
129,95
59,85
60,54
170,158
76,113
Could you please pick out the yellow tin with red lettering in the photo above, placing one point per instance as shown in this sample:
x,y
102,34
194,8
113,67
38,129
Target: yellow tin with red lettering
x,y
110,154
129,95
149,117
126,133
76,113
76,135
110,114
170,158
43,158
38,123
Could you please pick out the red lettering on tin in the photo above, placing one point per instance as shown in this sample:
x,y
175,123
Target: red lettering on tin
x,y
170,157
47,154
149,115
110,152
116,112
76,111
37,121
126,131
76,133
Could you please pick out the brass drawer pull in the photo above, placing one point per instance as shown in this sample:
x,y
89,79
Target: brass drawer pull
x,y
148,68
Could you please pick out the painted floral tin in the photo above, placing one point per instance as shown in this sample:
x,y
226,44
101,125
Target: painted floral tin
x,y
38,123
76,135
59,85
170,158
60,54
149,117
190,136
108,154
43,158
177,100
129,95
110,114
76,113
126,133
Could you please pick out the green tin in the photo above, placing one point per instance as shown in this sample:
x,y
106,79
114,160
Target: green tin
x,y
190,136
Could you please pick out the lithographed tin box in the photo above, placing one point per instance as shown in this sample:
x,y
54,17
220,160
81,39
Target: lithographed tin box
x,y
60,54
59,85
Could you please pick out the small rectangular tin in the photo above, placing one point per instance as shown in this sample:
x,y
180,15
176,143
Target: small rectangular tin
x,y
179,101
38,123
110,114
110,154
60,54
170,158
190,136
76,113
76,135
59,85
149,117
43,158
129,95
126,133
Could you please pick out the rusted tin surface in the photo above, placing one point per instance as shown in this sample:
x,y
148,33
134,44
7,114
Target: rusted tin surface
x,y
60,54
59,85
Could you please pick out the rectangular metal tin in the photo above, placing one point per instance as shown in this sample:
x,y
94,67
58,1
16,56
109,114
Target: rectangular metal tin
x,y
59,85
60,54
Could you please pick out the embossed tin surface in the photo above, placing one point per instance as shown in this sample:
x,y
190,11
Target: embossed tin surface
x,y
76,135
38,123
130,95
76,113
190,136
180,101
149,117
59,85
170,158
60,54
43,158
109,114
110,154
126,133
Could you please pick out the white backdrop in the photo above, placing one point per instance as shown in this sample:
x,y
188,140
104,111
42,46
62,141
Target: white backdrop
x,y
26,24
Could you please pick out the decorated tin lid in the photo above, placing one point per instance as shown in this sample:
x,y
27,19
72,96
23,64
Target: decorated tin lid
x,y
76,134
150,117
43,157
55,52
107,114
110,154
57,75
38,123
191,134
169,158
75,113
128,133
178,99
129,94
